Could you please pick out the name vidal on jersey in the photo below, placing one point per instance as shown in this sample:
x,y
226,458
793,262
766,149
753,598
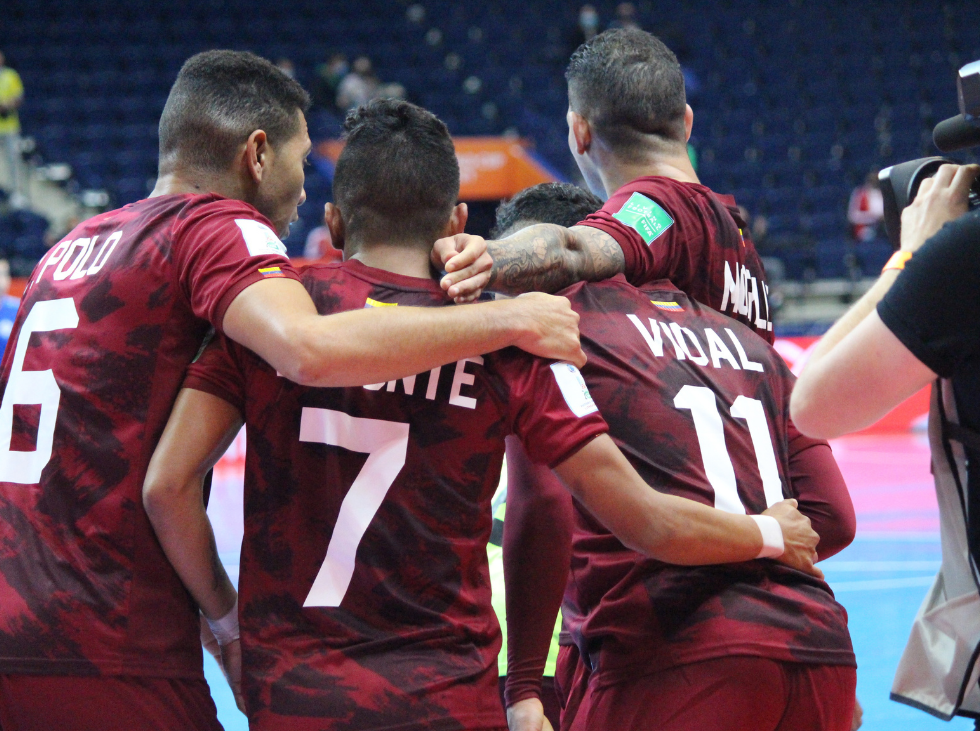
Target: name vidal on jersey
x,y
683,338
460,378
742,293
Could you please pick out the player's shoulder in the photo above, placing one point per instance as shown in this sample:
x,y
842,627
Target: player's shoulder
x,y
606,290
666,191
214,208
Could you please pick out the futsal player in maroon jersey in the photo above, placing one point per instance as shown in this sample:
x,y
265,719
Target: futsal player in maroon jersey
x,y
96,629
701,407
628,126
364,583
539,519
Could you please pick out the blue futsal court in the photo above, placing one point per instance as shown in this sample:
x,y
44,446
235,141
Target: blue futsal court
x,y
881,578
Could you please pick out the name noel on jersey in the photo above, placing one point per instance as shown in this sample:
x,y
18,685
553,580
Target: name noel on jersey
x,y
742,295
687,346
79,258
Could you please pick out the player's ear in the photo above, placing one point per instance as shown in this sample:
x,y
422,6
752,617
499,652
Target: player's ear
x,y
258,155
457,219
580,130
334,221
688,122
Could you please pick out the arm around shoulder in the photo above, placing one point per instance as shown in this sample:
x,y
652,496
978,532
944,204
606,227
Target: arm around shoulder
x,y
548,258
276,319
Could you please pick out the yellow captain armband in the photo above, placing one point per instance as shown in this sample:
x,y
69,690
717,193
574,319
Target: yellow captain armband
x,y
898,260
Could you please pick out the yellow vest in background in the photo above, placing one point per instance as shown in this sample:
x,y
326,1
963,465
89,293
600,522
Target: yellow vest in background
x,y
10,88
495,553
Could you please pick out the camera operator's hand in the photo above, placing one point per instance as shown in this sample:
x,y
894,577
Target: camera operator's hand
x,y
940,199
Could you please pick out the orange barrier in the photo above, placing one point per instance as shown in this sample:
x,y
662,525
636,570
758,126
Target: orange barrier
x,y
490,168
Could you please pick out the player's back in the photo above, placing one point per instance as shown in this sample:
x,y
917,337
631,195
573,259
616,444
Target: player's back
x,y
364,585
696,238
700,407
106,328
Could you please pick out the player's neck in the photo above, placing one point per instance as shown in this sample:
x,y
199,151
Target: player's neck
x,y
409,261
616,172
198,183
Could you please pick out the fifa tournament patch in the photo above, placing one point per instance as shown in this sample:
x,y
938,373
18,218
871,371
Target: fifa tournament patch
x,y
271,272
644,216
574,390
669,306
374,303
259,238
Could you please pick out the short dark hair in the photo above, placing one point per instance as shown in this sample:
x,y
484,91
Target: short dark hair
x,y
563,204
218,99
397,177
627,83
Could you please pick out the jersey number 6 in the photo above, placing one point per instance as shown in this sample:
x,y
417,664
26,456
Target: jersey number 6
x,y
33,388
386,444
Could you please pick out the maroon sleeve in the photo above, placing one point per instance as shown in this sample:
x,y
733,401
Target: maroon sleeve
x,y
820,489
661,252
219,371
220,248
537,554
550,408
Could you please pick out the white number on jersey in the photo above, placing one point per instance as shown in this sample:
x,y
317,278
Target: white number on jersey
x,y
714,453
33,387
386,444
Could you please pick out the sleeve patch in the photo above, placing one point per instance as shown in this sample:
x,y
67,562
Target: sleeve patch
x,y
644,216
259,238
574,390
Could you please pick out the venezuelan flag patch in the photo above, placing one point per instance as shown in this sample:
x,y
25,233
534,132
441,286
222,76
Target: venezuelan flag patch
x,y
271,272
669,306
374,303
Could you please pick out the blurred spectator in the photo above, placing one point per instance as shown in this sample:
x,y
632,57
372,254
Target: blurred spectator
x,y
588,24
625,16
758,226
11,97
287,67
8,305
319,246
359,86
866,209
327,81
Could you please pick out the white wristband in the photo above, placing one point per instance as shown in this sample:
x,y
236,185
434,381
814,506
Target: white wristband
x,y
225,629
772,536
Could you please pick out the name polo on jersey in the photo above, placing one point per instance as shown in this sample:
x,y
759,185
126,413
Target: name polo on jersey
x,y
364,585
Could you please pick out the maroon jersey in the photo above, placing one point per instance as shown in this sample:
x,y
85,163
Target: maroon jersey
x,y
111,317
365,589
694,237
700,407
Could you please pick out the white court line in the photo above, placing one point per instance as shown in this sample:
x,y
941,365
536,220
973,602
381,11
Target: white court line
x,y
899,536
832,565
878,584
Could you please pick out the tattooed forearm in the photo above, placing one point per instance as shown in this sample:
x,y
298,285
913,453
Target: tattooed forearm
x,y
547,258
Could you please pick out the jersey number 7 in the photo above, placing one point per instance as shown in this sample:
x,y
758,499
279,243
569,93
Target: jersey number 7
x,y
386,444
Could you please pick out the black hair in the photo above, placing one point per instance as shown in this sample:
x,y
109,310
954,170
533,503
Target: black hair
x,y
563,204
218,99
628,84
397,177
